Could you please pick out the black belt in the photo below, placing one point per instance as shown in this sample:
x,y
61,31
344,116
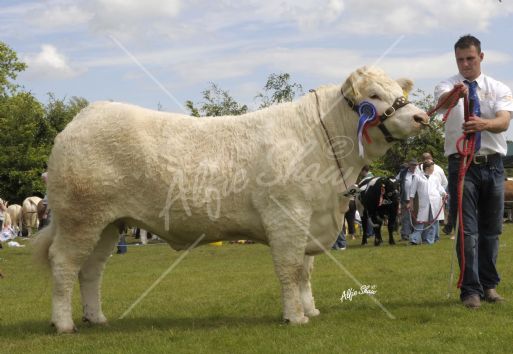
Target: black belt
x,y
480,159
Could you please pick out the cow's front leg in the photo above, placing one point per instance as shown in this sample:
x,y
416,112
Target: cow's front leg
x,y
365,227
306,288
391,227
288,253
377,235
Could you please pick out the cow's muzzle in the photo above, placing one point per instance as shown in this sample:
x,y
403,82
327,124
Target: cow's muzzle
x,y
421,118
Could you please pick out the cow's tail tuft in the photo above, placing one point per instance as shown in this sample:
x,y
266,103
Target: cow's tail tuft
x,y
41,245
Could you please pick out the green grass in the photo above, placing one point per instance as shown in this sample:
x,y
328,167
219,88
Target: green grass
x,y
226,300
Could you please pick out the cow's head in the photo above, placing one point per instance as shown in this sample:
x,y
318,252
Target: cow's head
x,y
391,191
400,119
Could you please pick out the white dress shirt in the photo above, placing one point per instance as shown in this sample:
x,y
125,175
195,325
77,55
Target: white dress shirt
x,y
493,96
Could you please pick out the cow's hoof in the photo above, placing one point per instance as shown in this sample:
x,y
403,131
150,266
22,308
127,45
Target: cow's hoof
x,y
391,242
69,329
101,321
377,242
313,313
297,321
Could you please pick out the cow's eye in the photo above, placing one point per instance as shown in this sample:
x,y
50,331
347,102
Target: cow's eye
x,y
375,97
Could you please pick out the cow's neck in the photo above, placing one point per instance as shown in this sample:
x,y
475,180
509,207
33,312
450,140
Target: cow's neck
x,y
341,124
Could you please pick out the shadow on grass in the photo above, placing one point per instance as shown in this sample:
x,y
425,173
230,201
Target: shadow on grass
x,y
137,324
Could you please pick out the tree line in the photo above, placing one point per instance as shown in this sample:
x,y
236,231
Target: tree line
x,y
28,127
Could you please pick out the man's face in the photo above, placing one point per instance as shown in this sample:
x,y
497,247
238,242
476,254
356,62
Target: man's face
x,y
412,167
469,62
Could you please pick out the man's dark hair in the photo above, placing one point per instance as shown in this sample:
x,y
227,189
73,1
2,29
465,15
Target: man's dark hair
x,y
467,41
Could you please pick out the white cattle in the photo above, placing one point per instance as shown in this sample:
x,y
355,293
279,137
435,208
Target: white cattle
x,y
269,176
29,213
14,210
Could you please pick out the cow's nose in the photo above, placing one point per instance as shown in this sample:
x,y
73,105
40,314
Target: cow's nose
x,y
421,118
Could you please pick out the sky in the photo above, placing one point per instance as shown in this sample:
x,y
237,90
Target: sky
x,y
160,53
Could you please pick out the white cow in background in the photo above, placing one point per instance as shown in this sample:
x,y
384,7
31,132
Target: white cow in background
x,y
267,176
29,214
14,211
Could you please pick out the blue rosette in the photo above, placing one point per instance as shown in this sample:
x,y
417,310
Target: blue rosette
x,y
367,113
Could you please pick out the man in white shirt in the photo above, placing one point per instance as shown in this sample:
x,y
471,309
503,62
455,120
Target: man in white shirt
x,y
483,194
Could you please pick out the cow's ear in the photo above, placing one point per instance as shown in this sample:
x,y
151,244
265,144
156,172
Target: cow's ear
x,y
406,85
350,88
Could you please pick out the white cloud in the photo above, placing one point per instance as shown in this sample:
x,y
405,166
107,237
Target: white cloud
x,y
57,16
49,64
131,17
421,16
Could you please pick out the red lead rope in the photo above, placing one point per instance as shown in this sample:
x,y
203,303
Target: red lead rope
x,y
465,146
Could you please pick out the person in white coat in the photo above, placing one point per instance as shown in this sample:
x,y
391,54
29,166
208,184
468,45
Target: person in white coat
x,y
438,171
430,195
440,174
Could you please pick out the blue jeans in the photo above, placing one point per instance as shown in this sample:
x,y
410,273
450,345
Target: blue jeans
x,y
406,226
425,232
483,209
341,241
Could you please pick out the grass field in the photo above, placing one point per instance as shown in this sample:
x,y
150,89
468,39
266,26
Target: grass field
x,y
226,300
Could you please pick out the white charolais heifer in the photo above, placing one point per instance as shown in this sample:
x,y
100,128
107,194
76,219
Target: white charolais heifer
x,y
29,214
15,213
269,176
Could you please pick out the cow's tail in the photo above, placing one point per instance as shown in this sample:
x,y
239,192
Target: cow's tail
x,y
41,245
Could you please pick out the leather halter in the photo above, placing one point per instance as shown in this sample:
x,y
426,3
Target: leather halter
x,y
398,103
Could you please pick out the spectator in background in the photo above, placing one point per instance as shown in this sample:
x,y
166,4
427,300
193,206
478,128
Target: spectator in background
x,y
405,178
350,216
44,214
440,174
438,171
430,194
365,173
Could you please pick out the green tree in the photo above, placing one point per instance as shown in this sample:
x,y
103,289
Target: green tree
x,y
59,112
278,89
10,66
429,140
217,102
23,151
27,135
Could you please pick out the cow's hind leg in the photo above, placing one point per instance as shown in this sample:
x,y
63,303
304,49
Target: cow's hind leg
x,y
90,276
68,252
306,288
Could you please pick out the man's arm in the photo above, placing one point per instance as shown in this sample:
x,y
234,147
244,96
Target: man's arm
x,y
495,125
444,96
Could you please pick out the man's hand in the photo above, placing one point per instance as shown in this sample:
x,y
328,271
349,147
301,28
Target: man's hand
x,y
463,89
475,124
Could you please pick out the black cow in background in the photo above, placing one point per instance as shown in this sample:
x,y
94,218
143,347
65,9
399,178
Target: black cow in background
x,y
379,198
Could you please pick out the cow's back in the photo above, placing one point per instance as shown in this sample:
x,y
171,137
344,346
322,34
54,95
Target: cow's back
x,y
162,169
